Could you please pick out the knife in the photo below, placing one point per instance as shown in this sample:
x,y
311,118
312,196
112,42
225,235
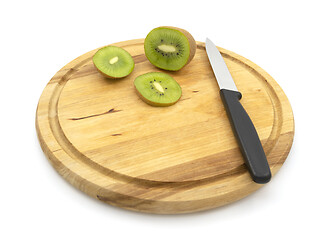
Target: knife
x,y
243,128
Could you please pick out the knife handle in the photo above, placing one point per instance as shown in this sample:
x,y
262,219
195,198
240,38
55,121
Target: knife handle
x,y
246,136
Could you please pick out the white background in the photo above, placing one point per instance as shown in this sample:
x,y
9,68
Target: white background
x,y
291,40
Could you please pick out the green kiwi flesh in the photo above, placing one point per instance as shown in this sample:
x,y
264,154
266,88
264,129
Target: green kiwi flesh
x,y
158,89
169,48
113,62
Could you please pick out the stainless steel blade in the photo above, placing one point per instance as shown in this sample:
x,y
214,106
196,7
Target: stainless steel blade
x,y
221,72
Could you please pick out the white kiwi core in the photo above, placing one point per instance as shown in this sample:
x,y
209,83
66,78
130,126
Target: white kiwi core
x,y
113,60
158,87
167,48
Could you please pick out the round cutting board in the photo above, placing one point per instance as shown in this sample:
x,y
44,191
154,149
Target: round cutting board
x,y
102,138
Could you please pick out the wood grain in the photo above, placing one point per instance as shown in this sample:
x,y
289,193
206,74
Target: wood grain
x,y
104,140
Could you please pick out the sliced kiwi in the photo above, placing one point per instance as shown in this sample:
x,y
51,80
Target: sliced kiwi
x,y
158,89
169,48
113,62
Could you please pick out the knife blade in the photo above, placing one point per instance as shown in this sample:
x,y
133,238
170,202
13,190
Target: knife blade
x,y
243,128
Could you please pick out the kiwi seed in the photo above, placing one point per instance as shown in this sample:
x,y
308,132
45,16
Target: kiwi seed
x,y
169,48
158,89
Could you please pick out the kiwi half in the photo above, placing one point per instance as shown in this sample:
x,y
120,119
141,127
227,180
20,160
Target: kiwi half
x,y
113,62
169,48
158,89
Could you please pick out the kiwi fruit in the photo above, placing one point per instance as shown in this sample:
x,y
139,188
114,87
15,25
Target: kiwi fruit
x,y
169,48
113,62
158,89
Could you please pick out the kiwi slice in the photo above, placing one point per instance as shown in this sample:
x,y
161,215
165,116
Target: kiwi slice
x,y
113,62
169,48
158,89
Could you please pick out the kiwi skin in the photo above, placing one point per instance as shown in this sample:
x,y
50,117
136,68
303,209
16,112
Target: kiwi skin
x,y
192,42
108,76
154,103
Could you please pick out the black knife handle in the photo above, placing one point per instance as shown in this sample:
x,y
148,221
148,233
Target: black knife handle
x,y
246,136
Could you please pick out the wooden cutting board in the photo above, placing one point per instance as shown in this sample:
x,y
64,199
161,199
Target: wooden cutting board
x,y
104,140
